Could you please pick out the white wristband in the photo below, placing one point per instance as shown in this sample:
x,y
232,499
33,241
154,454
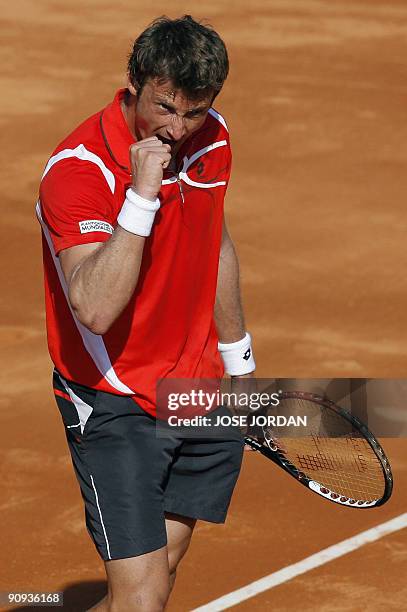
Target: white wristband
x,y
137,214
238,356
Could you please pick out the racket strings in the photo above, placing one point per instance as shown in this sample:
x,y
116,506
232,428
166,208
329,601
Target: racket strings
x,y
334,464
330,451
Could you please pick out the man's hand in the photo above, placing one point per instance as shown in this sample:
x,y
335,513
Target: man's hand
x,y
245,384
148,159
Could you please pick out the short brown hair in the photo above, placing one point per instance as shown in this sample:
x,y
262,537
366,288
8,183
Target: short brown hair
x,y
189,54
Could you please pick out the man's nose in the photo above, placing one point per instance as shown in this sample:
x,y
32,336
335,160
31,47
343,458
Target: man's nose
x,y
176,127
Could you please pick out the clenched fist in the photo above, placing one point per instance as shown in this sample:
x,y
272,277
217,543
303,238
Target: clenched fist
x,y
148,159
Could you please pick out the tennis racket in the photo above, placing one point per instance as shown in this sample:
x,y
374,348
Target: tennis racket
x,y
335,455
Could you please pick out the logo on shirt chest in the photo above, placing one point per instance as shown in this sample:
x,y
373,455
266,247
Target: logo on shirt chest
x,y
200,168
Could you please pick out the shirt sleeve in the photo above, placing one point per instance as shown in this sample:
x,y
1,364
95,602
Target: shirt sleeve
x,y
228,163
76,204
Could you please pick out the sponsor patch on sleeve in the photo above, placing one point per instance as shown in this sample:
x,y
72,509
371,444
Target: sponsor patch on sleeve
x,y
93,225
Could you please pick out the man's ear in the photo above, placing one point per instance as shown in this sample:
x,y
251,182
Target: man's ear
x,y
132,88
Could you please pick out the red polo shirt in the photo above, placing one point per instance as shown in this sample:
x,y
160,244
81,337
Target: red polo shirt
x,y
167,329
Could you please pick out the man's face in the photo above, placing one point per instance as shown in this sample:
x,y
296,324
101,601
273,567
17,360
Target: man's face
x,y
167,113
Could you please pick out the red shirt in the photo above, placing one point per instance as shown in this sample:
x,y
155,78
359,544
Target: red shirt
x,y
167,329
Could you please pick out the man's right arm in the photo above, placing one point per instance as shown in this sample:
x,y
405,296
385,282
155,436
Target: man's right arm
x,y
101,277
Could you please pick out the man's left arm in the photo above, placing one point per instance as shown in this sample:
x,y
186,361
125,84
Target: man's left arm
x,y
234,341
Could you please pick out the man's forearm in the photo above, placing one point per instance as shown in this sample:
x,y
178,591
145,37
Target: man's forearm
x,y
102,284
234,342
228,311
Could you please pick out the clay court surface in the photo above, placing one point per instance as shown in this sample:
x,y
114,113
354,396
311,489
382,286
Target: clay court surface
x,y
316,108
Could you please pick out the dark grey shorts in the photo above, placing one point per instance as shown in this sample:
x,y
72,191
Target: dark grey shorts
x,y
129,477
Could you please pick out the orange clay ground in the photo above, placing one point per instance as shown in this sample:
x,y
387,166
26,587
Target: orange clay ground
x,y
316,108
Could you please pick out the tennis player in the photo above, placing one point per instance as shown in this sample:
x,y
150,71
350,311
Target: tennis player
x,y
141,283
